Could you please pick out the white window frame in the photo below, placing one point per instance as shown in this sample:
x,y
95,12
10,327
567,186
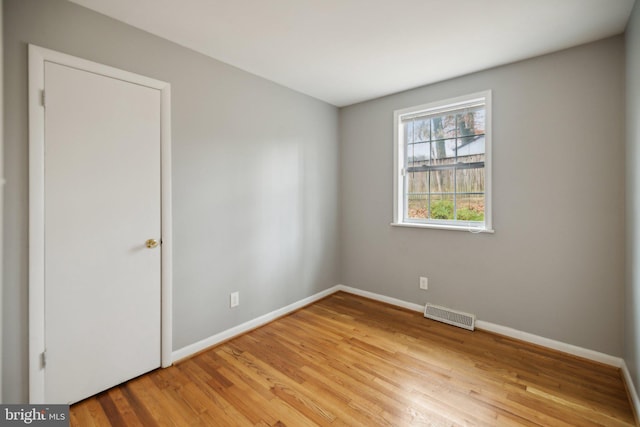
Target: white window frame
x,y
399,165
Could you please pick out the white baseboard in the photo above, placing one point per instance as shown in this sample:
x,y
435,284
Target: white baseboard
x,y
486,326
196,347
552,344
631,389
377,297
502,330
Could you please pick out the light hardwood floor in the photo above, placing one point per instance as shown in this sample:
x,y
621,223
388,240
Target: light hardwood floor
x,y
350,361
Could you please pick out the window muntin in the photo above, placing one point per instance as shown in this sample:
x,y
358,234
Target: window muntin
x,y
443,164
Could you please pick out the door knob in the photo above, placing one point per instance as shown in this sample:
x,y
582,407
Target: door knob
x,y
151,243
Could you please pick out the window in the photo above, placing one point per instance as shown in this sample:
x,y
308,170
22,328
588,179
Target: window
x,y
442,173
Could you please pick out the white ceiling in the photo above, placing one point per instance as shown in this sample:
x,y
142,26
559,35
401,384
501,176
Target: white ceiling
x,y
348,51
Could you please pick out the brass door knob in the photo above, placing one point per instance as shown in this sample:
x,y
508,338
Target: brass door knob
x,y
151,243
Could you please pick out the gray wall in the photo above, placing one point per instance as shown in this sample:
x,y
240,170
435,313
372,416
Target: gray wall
x,y
632,291
555,265
255,177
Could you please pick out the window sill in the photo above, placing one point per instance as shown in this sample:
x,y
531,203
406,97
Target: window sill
x,y
443,227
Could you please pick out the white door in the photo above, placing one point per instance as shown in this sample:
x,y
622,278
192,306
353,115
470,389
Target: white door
x,y
102,203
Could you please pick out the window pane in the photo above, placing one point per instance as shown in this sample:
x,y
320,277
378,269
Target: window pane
x,y
443,149
417,182
470,180
420,154
470,122
422,129
470,194
479,121
417,195
417,208
441,207
470,208
444,126
442,182
410,154
469,147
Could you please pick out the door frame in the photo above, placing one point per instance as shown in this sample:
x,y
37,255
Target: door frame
x,y
37,58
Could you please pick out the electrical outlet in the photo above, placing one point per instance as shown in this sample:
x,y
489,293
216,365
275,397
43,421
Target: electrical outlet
x,y
424,283
234,299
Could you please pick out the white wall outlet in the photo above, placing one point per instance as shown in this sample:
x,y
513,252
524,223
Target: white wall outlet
x,y
424,283
234,299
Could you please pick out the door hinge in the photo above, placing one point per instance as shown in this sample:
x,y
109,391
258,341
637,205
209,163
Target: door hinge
x,y
403,172
44,358
42,98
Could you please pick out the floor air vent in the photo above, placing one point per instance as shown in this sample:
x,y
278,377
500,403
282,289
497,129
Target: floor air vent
x,y
451,317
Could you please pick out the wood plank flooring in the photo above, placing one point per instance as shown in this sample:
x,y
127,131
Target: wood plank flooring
x,y
350,361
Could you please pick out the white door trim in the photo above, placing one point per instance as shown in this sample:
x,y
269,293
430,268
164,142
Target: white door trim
x,y
37,58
